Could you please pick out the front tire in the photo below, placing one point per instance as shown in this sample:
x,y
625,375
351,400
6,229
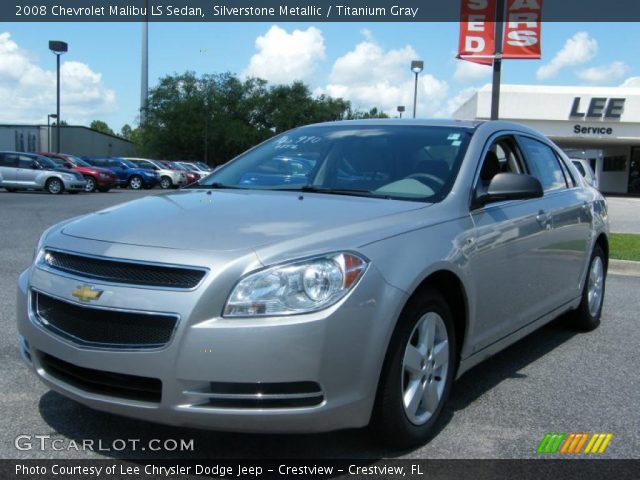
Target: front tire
x,y
54,186
91,184
135,182
165,183
418,372
587,316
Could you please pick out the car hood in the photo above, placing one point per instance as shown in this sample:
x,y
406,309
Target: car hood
x,y
224,220
67,171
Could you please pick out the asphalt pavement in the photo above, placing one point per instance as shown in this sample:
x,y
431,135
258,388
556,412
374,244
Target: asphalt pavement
x,y
624,214
555,380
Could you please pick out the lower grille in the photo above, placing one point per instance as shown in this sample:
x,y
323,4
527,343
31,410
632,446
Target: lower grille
x,y
90,326
259,395
118,385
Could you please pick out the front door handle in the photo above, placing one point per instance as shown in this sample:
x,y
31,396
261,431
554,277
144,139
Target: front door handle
x,y
544,219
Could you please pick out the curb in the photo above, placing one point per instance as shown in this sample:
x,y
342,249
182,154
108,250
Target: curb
x,y
624,267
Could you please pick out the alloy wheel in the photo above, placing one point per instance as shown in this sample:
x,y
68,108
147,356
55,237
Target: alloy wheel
x,y
135,183
91,184
424,368
596,286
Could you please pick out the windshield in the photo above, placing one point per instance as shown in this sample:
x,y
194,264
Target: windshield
x,y
78,162
47,162
128,163
391,161
203,166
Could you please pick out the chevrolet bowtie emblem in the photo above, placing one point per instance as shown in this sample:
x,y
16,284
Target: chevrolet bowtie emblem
x,y
86,293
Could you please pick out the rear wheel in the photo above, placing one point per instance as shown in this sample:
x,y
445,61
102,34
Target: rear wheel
x,y
418,372
135,182
587,316
91,184
165,183
54,186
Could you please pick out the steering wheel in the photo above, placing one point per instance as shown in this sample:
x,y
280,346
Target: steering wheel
x,y
431,181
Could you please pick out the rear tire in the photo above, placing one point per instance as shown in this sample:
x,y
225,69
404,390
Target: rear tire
x,y
417,374
587,316
135,182
54,186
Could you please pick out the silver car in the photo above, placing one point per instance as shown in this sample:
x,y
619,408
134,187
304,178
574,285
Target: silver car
x,y
28,171
410,252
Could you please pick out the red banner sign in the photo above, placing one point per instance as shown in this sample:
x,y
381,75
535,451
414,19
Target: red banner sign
x,y
522,29
477,31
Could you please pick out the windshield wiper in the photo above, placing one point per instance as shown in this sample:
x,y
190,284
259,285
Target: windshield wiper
x,y
217,186
343,191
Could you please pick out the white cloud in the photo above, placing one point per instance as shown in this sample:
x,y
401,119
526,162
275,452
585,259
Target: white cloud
x,y
455,102
468,72
604,73
285,57
577,50
28,92
368,76
631,82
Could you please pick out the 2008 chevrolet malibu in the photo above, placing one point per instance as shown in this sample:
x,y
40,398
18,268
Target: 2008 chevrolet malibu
x,y
335,276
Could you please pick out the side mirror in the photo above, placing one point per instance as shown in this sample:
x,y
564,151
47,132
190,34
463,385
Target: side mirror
x,y
509,186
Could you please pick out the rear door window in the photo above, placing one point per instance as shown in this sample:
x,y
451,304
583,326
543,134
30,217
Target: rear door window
x,y
8,160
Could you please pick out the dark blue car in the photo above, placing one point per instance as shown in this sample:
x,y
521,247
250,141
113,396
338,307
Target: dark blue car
x,y
129,175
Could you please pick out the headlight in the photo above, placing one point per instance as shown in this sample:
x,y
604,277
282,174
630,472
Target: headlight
x,y
104,175
299,287
67,177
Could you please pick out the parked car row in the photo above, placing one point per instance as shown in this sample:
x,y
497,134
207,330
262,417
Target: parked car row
x,y
60,172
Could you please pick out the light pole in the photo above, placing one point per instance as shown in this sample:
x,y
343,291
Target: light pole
x,y
58,48
416,68
400,110
49,117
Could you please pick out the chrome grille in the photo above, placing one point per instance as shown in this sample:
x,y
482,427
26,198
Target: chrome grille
x,y
103,328
118,271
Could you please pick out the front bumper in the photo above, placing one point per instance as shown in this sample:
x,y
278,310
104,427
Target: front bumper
x,y
340,349
74,185
106,182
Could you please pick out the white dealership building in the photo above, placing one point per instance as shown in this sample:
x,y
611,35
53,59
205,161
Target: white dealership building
x,y
596,123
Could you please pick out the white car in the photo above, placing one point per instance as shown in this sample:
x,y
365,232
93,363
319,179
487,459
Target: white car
x,y
168,178
584,168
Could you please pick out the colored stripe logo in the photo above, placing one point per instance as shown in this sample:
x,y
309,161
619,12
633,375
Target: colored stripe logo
x,y
574,443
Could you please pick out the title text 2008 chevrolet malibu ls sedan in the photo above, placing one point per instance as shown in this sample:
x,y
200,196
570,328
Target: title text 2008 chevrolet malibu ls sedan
x,y
390,257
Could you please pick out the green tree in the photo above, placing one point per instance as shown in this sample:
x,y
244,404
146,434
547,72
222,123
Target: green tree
x,y
101,126
216,117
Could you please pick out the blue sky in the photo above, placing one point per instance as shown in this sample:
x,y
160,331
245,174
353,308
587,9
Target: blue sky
x,y
365,63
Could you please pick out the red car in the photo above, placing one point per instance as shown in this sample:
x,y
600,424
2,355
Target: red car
x,y
191,176
100,179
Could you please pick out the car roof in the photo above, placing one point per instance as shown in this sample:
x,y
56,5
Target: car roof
x,y
421,122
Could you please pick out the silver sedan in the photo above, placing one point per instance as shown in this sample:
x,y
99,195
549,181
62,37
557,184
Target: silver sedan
x,y
352,291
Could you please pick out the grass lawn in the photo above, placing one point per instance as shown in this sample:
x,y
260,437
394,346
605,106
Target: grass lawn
x,y
624,246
